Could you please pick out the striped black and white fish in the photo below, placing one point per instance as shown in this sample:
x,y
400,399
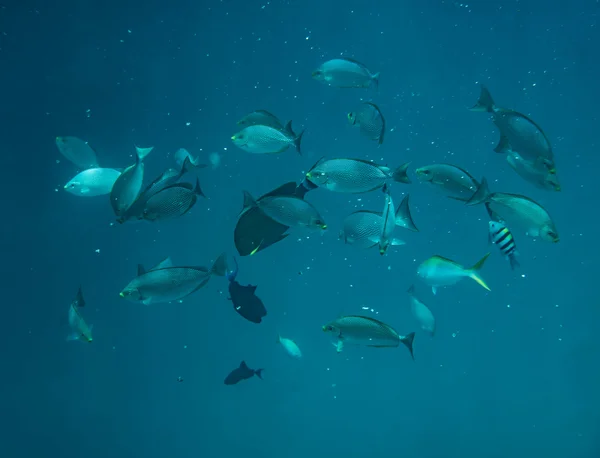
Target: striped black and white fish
x,y
501,236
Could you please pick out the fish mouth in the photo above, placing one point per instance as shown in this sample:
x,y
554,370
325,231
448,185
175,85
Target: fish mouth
x,y
122,294
324,328
233,137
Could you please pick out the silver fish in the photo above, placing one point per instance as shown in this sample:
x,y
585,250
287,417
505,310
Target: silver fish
x,y
366,331
457,183
421,313
128,186
92,182
172,202
534,173
346,73
79,328
265,118
354,175
77,151
370,120
259,139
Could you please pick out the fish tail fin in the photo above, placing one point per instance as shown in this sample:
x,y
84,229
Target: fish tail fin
x,y
485,103
375,79
408,341
219,267
503,145
258,373
481,195
474,272
403,216
298,140
400,175
514,264
198,189
142,152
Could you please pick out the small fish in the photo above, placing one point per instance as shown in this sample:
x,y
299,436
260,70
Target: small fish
x,y
92,182
78,152
366,331
80,330
289,211
452,180
533,173
243,372
370,120
500,236
389,221
346,73
259,139
354,175
517,211
181,154
244,299
128,186
168,284
290,347
438,271
172,202
421,313
264,118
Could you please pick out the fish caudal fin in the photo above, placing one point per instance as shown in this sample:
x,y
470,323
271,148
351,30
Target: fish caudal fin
x,y
375,79
474,272
403,216
198,189
400,175
481,195
219,267
408,341
258,373
512,258
485,103
298,140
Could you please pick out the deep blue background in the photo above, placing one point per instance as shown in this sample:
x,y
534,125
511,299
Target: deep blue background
x,y
511,373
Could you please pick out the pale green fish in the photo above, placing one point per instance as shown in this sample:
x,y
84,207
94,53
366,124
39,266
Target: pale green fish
x,y
389,221
517,211
366,331
457,183
346,73
79,328
92,182
290,211
259,139
77,151
438,271
533,173
421,312
129,184
370,120
290,347
354,175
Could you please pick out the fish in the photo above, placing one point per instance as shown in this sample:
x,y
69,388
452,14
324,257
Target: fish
x,y
533,173
517,211
243,372
92,182
518,132
290,211
128,186
264,118
345,72
180,156
172,202
290,347
457,183
78,152
501,236
439,271
255,231
79,328
370,120
366,331
168,284
389,221
244,299
354,176
421,312
259,139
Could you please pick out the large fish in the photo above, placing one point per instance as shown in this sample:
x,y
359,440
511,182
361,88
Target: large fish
x,y
172,202
534,173
517,211
354,175
421,313
92,182
128,186
77,151
243,372
366,331
244,299
346,73
259,139
452,180
439,271
167,284
79,328
370,120
265,118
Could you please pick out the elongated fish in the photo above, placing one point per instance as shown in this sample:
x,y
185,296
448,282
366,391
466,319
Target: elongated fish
x,y
501,236
439,271
421,313
389,221
345,72
370,120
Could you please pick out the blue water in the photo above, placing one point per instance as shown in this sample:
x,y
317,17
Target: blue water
x,y
510,373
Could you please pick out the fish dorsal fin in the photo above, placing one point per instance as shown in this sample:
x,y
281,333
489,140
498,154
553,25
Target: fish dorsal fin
x,y
164,264
249,201
252,288
243,365
354,61
140,270
316,164
287,189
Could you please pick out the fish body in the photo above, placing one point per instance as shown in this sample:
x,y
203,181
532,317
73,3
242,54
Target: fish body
x,y
78,152
533,172
79,328
518,211
259,139
345,73
370,120
439,271
244,299
265,118
421,313
172,202
243,372
289,211
128,185
93,182
354,175
452,180
290,347
366,331
501,236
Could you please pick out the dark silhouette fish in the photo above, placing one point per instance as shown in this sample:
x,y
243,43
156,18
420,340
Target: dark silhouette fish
x,y
245,301
243,372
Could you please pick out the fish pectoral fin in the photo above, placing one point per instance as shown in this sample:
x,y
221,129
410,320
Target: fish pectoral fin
x,y
339,346
434,290
397,242
84,190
